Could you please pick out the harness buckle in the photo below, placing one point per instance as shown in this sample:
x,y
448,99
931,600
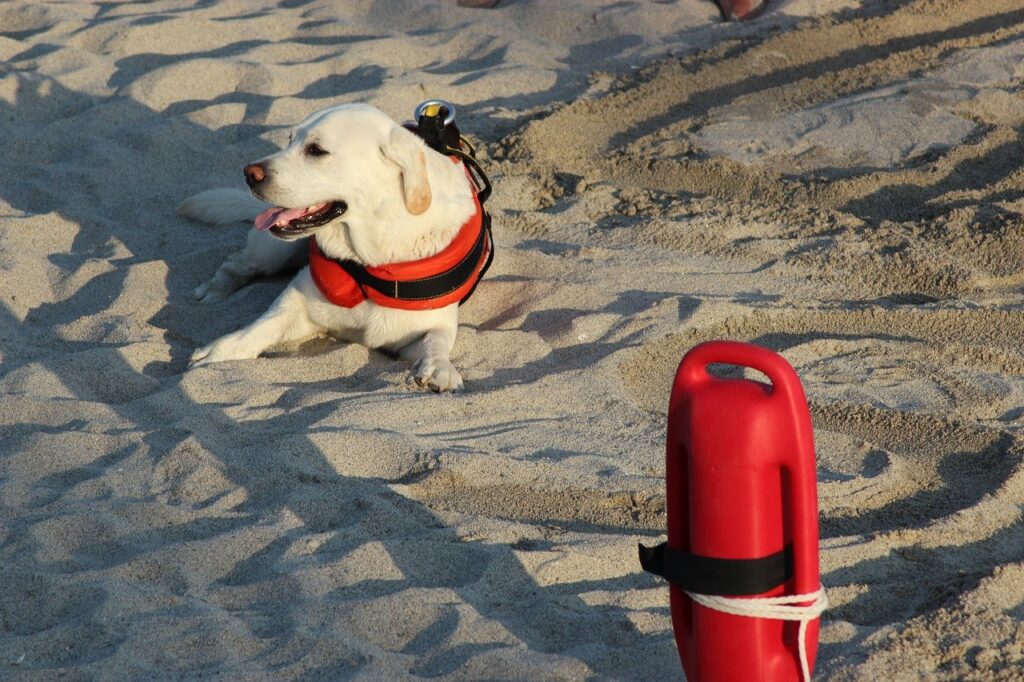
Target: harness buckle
x,y
432,108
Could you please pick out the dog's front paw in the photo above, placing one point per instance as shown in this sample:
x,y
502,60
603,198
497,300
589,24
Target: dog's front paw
x,y
437,374
201,356
212,291
223,349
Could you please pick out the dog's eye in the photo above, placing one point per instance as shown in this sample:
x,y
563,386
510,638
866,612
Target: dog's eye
x,y
313,149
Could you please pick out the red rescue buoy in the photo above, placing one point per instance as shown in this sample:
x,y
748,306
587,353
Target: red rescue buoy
x,y
742,550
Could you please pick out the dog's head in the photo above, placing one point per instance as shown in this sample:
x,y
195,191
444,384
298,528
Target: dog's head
x,y
349,159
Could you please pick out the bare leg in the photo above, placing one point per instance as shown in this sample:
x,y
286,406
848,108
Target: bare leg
x,y
263,254
431,366
286,320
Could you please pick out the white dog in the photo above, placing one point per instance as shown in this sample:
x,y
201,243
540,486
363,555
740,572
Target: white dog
x,y
376,199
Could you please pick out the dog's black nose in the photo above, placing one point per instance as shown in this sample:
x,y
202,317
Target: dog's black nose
x,y
254,174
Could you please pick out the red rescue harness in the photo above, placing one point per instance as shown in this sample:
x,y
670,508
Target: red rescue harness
x,y
447,277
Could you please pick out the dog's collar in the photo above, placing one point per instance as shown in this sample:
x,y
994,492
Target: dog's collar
x,y
447,277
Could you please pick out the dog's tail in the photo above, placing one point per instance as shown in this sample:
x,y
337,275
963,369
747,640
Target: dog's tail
x,y
221,206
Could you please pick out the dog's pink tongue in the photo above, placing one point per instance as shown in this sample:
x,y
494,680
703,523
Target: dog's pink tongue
x,y
278,216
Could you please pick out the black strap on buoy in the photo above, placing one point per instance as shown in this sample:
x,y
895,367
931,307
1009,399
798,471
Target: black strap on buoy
x,y
709,575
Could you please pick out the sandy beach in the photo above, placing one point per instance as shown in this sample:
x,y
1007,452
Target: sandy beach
x,y
841,181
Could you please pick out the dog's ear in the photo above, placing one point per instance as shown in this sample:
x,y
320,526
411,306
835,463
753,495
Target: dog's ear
x,y
408,153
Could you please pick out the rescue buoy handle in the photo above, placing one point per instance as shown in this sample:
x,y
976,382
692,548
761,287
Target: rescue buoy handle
x,y
693,370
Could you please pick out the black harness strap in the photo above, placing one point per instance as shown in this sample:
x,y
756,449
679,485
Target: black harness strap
x,y
479,177
486,227
434,286
708,575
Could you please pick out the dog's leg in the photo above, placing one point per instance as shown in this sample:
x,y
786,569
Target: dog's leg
x,y
431,366
286,320
263,254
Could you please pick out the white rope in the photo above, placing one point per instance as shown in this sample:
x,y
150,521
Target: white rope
x,y
778,608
